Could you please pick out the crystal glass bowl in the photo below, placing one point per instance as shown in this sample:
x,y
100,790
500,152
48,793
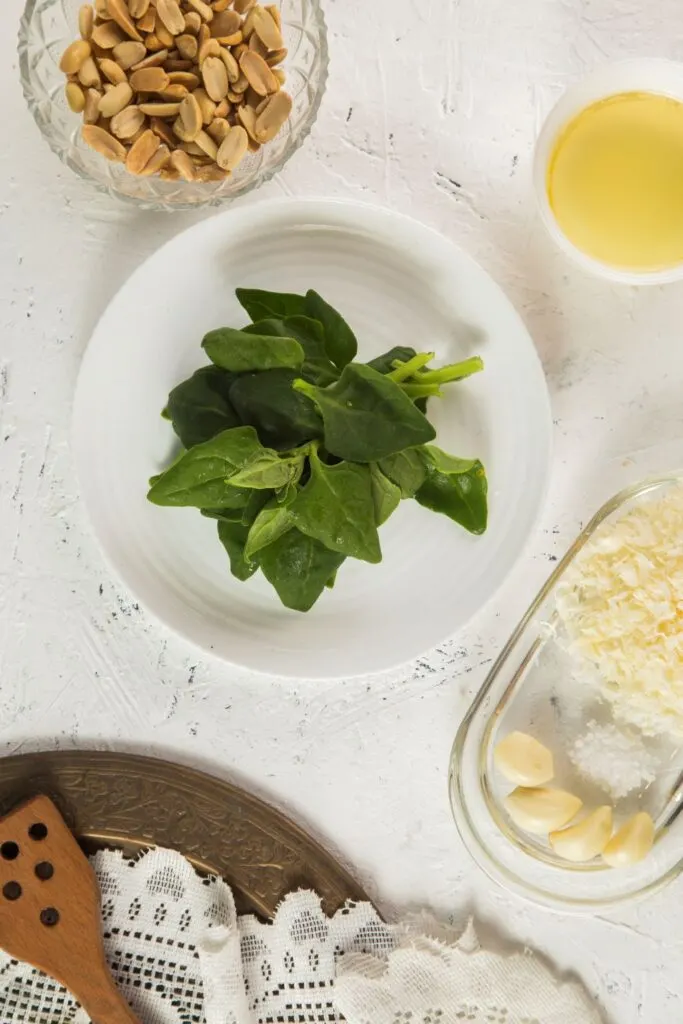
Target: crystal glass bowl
x,y
48,26
536,687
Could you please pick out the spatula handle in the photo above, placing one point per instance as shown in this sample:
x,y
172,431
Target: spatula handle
x,y
52,916
103,1002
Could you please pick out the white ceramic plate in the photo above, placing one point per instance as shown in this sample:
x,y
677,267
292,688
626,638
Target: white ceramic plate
x,y
396,282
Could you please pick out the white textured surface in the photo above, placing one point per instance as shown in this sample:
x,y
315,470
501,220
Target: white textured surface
x,y
432,108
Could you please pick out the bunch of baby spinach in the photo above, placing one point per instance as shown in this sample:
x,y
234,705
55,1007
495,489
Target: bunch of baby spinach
x,y
300,453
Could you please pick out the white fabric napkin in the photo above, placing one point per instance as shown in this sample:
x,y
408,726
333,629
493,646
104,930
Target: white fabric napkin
x,y
181,955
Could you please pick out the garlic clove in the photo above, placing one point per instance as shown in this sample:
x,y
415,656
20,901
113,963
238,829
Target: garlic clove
x,y
632,842
523,760
586,839
541,809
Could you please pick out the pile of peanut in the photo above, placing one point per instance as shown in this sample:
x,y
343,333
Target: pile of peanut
x,y
179,88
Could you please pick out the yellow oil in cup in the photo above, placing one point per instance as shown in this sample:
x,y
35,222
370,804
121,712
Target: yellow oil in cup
x,y
614,181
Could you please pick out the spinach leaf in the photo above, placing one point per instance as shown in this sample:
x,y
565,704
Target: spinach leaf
x,y
337,508
242,351
385,363
340,341
299,568
386,495
246,507
199,408
460,495
233,537
299,454
405,469
254,504
317,367
366,416
285,495
444,462
260,305
251,504
269,471
176,458
230,515
282,417
200,478
272,522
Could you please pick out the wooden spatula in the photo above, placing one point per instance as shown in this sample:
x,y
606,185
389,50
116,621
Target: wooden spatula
x,y
50,908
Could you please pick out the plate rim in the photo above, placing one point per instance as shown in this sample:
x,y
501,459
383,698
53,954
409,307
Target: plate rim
x,y
25,775
322,204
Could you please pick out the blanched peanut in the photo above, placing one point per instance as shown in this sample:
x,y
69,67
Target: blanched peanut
x,y
112,71
523,760
585,840
103,142
233,148
156,77
74,57
142,152
75,97
118,97
86,18
149,80
631,843
129,53
273,116
265,28
541,809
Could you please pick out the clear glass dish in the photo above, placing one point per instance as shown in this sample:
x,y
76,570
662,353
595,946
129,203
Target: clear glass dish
x,y
48,26
533,687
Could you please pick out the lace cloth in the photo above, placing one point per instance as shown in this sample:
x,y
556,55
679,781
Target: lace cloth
x,y
181,955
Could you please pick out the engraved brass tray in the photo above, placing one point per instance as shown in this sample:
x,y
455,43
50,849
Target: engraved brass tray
x,y
131,803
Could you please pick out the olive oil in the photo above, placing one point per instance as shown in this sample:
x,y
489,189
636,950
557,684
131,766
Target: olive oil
x,y
615,181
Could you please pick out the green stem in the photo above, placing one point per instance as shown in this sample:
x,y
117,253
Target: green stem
x,y
421,390
302,451
452,372
305,387
402,371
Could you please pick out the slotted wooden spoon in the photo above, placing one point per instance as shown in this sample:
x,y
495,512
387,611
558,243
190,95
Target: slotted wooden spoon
x,y
50,909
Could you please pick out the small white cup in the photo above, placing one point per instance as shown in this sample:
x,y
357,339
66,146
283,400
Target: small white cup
x,y
641,75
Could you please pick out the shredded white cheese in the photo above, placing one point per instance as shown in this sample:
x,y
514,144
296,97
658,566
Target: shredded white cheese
x,y
621,603
614,759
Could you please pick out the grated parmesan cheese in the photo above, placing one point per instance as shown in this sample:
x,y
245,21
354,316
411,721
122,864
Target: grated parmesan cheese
x,y
614,759
621,603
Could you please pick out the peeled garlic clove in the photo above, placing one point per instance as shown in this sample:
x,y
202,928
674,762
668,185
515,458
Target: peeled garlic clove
x,y
523,760
540,810
631,843
586,839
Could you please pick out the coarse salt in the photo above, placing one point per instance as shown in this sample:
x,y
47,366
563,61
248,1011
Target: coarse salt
x,y
616,760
